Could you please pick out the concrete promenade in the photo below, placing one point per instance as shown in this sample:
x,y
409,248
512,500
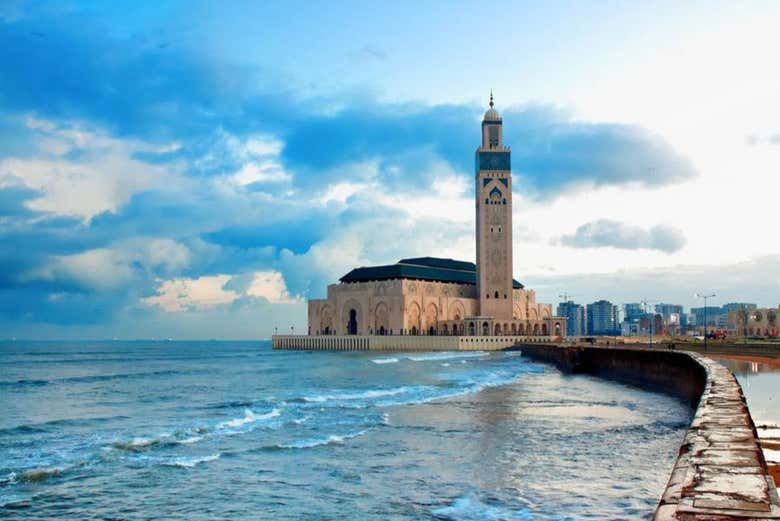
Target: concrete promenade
x,y
720,472
401,342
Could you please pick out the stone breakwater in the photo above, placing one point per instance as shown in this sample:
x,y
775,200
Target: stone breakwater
x,y
720,472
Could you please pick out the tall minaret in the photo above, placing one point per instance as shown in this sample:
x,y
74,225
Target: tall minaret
x,y
494,220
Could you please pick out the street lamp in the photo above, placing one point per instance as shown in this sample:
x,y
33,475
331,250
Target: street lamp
x,y
652,318
705,297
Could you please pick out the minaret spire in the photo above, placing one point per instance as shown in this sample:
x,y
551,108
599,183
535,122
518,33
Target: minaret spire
x,y
491,98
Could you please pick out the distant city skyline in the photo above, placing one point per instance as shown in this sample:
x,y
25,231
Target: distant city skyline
x,y
189,170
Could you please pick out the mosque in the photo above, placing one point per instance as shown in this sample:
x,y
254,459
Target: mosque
x,y
434,296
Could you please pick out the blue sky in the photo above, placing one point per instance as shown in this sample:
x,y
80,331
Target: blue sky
x,y
195,170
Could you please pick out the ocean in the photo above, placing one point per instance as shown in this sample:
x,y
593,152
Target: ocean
x,y
235,430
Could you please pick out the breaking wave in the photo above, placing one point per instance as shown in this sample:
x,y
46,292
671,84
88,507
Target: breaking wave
x,y
32,475
333,439
470,507
385,360
190,462
249,417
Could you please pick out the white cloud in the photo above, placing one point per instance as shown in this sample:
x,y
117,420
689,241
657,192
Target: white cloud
x,y
106,269
183,294
211,291
270,286
82,171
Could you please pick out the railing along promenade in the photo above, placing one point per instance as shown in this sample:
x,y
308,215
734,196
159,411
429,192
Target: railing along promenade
x,y
402,342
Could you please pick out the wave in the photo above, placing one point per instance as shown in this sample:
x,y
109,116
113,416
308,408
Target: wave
x,y
139,444
23,383
362,395
86,378
249,417
229,405
190,462
190,440
447,355
428,357
385,360
333,439
35,475
470,507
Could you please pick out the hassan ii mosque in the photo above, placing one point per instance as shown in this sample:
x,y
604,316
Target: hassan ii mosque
x,y
434,296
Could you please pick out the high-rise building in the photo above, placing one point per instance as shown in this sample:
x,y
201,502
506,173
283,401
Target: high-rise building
x,y
666,310
713,315
602,318
575,318
673,317
735,306
633,311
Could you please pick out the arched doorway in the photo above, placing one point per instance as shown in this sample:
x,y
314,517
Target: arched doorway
x,y
497,330
536,329
431,330
382,330
414,330
557,329
485,329
472,329
352,326
544,329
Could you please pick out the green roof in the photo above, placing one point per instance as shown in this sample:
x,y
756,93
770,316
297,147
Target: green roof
x,y
421,268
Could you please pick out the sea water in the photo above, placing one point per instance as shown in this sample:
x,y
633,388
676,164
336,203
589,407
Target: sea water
x,y
223,430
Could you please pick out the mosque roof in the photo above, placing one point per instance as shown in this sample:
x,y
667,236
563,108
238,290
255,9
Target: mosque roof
x,y
420,268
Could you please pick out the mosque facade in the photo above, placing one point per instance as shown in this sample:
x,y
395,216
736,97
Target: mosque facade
x,y
435,296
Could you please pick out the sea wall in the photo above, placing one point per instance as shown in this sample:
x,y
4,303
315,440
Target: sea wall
x,y
401,342
720,472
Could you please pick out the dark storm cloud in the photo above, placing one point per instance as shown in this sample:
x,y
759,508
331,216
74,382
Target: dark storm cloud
x,y
608,233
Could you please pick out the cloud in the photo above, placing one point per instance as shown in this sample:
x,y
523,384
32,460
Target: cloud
x,y
771,139
183,294
554,152
208,107
605,233
137,179
207,292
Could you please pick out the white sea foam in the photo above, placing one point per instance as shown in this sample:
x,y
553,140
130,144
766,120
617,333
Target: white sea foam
x,y
191,439
470,507
446,355
191,462
333,439
368,394
385,360
140,443
249,417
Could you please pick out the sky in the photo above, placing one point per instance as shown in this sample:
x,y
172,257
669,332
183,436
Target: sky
x,y
187,169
